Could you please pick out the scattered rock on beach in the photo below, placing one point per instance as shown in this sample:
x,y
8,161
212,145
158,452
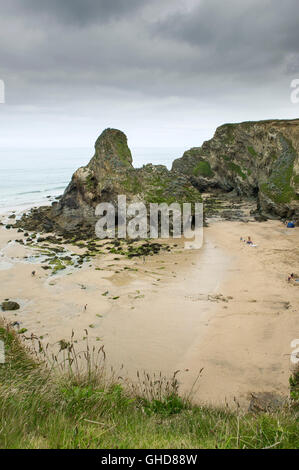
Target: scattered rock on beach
x,y
265,402
9,305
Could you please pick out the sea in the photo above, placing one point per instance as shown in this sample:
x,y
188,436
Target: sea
x,y
35,177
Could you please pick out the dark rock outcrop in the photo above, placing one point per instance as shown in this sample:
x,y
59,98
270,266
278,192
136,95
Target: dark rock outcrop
x,y
256,159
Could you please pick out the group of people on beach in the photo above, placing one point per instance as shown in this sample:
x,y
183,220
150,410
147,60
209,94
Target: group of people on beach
x,y
289,223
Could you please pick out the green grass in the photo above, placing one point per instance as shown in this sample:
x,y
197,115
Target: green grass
x,y
294,386
69,407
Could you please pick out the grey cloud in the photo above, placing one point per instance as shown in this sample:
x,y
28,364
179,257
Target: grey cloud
x,y
80,12
234,36
215,42
76,56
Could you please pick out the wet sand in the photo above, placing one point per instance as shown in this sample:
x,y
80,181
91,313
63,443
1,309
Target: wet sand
x,y
227,308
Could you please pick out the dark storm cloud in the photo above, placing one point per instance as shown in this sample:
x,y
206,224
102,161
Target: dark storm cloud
x,y
59,42
75,11
236,36
113,56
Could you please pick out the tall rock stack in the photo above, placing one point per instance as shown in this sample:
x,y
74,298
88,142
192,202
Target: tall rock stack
x,y
108,174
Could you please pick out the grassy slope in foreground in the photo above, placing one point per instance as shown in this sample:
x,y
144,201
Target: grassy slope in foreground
x,y
40,409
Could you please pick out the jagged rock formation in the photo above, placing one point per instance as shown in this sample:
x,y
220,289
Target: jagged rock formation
x,y
108,174
257,159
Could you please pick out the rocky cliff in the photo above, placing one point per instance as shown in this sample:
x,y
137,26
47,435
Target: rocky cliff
x,y
108,174
252,159
259,159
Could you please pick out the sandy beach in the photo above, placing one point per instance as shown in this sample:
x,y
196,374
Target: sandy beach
x,y
226,308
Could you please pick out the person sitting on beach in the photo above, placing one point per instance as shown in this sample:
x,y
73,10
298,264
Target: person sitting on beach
x,y
291,277
249,241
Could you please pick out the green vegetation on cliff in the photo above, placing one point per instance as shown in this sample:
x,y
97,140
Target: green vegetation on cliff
x,y
131,183
278,187
113,143
161,186
252,151
229,133
40,409
236,169
203,169
90,182
123,150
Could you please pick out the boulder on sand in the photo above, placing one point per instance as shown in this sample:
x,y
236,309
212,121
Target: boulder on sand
x,y
9,305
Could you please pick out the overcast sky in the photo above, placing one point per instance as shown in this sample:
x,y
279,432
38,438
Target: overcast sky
x,y
166,72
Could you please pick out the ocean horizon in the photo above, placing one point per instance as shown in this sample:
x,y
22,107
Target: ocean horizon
x,y
33,177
